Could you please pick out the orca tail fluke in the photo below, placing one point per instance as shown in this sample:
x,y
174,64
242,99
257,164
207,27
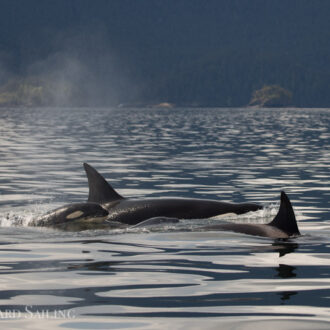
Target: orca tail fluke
x,y
100,190
285,219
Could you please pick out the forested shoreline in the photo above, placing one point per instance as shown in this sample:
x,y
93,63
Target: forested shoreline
x,y
195,53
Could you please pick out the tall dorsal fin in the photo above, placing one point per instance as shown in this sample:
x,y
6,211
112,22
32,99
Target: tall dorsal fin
x,y
99,189
285,218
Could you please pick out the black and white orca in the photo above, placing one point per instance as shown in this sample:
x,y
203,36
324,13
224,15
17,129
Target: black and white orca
x,y
284,225
134,211
75,216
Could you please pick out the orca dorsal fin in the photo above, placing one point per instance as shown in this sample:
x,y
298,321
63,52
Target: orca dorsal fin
x,y
100,190
285,219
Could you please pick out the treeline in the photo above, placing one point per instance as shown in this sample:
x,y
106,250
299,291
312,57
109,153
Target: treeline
x,y
230,80
186,52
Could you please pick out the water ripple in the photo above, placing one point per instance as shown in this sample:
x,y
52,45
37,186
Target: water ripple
x,y
179,277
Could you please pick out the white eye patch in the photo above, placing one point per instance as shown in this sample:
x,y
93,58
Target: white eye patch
x,y
75,215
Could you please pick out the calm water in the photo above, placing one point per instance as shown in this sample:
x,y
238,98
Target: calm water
x,y
170,278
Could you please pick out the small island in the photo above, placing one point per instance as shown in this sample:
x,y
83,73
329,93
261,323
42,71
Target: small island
x,y
271,96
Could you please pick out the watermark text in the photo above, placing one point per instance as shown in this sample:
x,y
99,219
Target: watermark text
x,y
31,312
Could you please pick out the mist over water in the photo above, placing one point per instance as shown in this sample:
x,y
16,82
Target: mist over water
x,y
79,68
173,276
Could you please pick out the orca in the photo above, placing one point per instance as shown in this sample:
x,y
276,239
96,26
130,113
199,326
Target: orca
x,y
76,216
156,221
134,211
284,225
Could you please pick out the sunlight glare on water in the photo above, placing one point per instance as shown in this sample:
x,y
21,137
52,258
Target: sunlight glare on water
x,y
175,276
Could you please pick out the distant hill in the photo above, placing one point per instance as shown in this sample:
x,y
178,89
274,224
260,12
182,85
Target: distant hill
x,y
184,52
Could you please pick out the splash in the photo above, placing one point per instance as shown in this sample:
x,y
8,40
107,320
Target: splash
x,y
22,218
14,219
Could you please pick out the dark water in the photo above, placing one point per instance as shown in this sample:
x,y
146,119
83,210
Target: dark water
x,y
169,278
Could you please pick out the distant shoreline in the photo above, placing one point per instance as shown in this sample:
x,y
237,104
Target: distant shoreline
x,y
138,108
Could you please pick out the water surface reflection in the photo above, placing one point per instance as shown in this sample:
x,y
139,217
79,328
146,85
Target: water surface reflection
x,y
177,279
